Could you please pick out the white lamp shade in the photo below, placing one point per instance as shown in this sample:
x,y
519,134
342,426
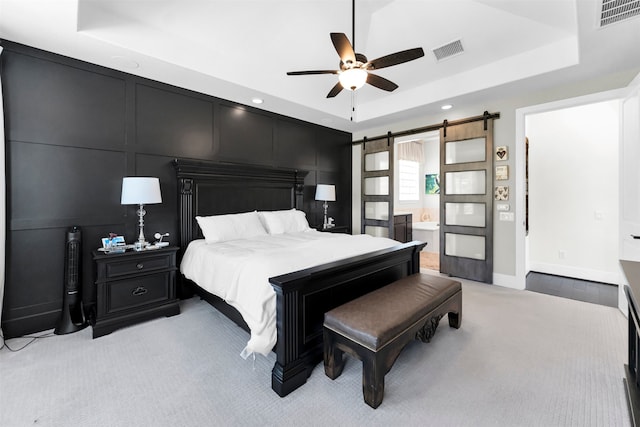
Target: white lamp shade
x,y
353,78
326,192
139,190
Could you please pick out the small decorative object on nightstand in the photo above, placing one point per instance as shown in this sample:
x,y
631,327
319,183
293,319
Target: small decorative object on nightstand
x,y
132,287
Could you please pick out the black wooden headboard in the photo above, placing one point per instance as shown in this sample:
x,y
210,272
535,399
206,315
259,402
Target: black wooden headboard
x,y
208,188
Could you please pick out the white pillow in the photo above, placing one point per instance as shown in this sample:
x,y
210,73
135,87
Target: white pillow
x,y
221,228
288,221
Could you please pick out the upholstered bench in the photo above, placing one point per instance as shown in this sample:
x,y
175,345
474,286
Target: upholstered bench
x,y
377,326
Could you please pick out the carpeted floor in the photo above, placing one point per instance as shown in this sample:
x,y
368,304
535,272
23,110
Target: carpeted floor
x,y
519,359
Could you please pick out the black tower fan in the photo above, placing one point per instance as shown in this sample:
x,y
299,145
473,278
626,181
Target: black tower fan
x,y
72,318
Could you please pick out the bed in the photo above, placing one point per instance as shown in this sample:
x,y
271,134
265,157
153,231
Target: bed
x,y
302,297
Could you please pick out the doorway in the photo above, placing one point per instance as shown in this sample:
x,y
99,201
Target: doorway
x,y
417,192
572,213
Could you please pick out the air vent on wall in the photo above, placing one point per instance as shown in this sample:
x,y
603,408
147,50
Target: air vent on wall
x,y
448,50
618,10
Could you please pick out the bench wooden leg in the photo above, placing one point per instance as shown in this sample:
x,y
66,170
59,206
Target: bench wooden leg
x,y
333,357
455,319
372,380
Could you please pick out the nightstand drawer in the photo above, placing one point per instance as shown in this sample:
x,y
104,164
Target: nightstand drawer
x,y
125,294
132,266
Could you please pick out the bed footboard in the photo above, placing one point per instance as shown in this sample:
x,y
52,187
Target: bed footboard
x,y
304,296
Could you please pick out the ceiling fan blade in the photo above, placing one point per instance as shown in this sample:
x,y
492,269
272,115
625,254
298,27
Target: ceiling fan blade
x,y
335,90
304,73
396,58
343,47
381,83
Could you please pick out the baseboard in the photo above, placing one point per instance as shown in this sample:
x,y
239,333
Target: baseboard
x,y
21,326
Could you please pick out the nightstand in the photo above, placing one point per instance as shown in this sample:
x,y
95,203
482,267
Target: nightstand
x,y
336,229
132,287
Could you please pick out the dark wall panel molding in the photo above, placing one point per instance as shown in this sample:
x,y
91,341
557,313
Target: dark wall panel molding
x,y
48,182
173,124
74,129
245,135
296,145
42,95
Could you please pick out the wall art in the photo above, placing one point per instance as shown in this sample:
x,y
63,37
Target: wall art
x,y
502,153
502,193
431,184
502,172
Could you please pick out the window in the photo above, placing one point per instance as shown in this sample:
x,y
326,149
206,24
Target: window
x,y
408,180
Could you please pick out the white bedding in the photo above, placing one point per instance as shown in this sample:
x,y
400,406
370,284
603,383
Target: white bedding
x,y
238,271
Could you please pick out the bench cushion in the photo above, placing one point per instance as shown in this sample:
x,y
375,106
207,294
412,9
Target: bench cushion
x,y
399,306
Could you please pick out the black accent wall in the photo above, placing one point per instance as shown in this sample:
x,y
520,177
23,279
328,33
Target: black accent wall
x,y
74,129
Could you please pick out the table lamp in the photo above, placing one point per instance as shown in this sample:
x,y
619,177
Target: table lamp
x,y
326,193
138,190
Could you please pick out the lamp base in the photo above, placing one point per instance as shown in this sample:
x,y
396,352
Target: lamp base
x,y
325,223
141,243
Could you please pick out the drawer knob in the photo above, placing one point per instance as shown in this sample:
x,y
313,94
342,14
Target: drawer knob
x,y
140,290
140,266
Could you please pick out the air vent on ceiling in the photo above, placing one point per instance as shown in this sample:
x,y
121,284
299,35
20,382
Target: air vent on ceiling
x,y
448,50
618,10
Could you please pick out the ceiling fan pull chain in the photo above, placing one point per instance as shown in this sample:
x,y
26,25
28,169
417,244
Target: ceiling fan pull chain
x,y
353,105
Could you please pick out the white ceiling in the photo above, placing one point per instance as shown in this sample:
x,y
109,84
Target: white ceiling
x,y
241,49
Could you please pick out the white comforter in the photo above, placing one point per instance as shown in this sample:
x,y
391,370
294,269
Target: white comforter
x,y
238,271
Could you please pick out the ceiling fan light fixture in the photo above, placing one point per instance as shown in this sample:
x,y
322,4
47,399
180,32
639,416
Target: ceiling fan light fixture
x,y
353,78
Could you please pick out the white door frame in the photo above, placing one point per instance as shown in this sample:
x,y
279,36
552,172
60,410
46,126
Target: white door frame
x,y
522,256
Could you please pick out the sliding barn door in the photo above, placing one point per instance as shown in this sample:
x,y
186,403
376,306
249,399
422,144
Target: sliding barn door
x,y
466,200
377,187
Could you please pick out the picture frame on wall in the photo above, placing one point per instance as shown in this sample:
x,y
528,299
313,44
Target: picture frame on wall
x,y
502,153
502,172
431,183
502,193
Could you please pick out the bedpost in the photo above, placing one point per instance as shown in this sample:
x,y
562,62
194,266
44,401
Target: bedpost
x,y
186,211
290,370
415,268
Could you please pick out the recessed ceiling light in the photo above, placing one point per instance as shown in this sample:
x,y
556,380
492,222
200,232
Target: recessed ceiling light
x,y
447,107
257,100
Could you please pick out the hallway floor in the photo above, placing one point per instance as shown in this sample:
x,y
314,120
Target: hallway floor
x,y
577,289
566,287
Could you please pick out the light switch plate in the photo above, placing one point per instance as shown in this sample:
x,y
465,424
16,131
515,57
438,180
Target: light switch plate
x,y
507,216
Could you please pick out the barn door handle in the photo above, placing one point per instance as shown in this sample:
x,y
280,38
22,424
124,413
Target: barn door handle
x,y
635,237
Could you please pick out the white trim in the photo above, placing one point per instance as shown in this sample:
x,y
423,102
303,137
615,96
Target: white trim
x,y
3,217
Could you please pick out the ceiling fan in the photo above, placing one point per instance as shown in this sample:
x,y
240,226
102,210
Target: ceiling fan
x,y
355,69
